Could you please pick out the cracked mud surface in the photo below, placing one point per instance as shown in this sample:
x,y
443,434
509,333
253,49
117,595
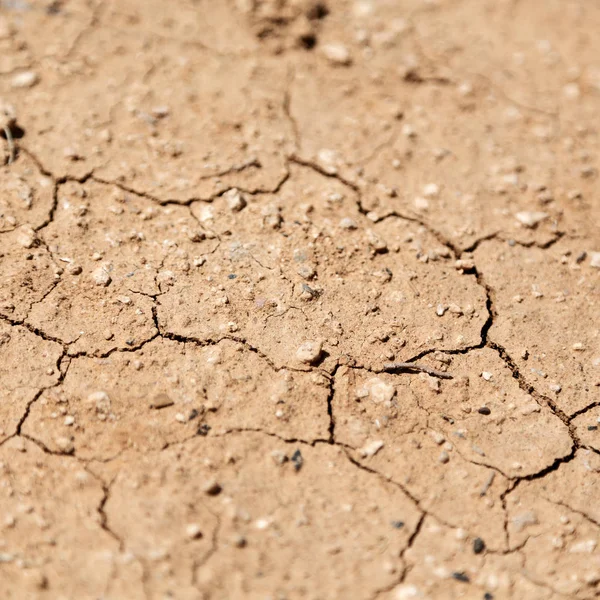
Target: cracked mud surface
x,y
299,299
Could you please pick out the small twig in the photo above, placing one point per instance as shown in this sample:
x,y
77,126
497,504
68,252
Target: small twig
x,y
11,144
407,366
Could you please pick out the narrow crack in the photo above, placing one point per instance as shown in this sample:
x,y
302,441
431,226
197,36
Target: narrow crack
x,y
330,398
583,410
405,568
101,509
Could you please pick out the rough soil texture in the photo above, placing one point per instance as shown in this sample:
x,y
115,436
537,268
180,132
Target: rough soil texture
x,y
222,223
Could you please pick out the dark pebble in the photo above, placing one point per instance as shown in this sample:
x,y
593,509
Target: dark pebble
x,y
484,410
297,460
488,596
592,427
213,489
397,524
203,429
581,258
461,576
231,276
478,545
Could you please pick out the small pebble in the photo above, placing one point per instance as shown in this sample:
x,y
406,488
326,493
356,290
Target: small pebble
x,y
478,545
337,54
595,260
347,223
378,390
371,448
235,200
74,269
26,236
460,576
443,457
203,430
101,276
100,400
193,531
65,445
279,457
523,520
578,346
25,79
484,410
297,460
212,488
378,244
531,218
486,375
161,401
464,265
437,437
309,352
69,420
431,190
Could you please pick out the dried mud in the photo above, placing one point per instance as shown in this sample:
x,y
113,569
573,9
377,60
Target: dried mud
x,y
221,226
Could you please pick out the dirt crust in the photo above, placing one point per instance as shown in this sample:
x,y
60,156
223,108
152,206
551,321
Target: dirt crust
x,y
299,299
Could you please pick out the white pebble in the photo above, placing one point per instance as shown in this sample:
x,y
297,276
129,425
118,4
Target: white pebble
x,y
309,352
193,531
440,310
336,54
26,236
595,260
406,592
101,276
69,420
486,375
235,200
347,223
371,448
437,437
25,79
431,190
379,391
530,218
100,400
262,523
524,520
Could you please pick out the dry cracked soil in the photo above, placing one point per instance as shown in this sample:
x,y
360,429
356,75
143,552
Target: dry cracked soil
x,y
299,299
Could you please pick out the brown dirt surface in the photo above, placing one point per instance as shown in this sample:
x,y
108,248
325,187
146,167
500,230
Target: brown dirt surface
x,y
299,299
